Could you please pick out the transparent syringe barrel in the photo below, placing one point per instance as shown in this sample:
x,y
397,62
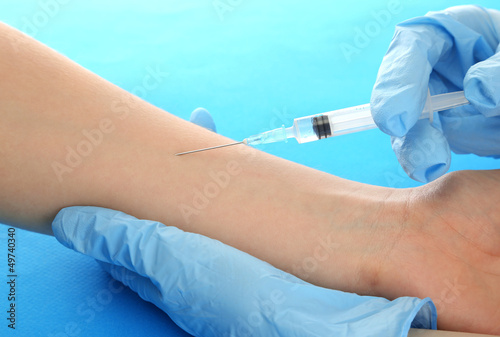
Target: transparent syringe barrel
x,y
333,123
353,119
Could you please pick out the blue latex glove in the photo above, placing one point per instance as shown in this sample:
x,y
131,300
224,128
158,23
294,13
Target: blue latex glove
x,y
202,117
456,49
211,289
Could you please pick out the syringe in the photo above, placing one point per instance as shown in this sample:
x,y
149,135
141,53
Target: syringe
x,y
340,122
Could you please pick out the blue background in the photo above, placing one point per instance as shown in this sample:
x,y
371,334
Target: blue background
x,y
255,65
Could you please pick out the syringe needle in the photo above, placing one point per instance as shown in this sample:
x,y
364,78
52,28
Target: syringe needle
x,y
210,148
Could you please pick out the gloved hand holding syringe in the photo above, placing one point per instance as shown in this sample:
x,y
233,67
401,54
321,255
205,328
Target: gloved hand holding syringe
x,y
340,122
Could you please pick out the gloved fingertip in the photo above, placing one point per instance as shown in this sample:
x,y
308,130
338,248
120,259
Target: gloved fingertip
x,y
482,88
395,125
426,175
142,285
481,96
63,219
423,152
203,118
394,115
81,228
122,274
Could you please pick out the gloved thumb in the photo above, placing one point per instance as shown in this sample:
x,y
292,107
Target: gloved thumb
x,y
203,118
423,152
142,285
482,85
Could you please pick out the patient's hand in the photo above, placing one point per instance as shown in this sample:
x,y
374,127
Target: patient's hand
x,y
449,250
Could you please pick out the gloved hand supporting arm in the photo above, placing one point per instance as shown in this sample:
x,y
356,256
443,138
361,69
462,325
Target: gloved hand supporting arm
x,y
210,289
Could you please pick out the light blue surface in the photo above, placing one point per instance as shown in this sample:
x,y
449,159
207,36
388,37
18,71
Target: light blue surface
x,y
261,65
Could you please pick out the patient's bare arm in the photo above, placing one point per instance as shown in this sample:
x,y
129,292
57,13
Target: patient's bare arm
x,y
68,137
